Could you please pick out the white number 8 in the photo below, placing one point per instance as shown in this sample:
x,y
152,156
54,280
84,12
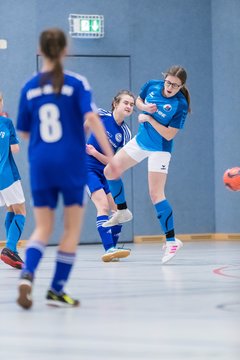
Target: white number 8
x,y
50,126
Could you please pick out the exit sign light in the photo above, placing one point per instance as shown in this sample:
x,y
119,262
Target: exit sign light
x,y
86,26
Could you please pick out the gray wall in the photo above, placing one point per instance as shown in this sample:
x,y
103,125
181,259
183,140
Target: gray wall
x,y
226,107
201,35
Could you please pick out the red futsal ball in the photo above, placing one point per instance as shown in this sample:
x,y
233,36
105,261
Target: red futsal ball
x,y
231,178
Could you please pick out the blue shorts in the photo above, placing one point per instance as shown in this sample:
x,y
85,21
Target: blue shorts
x,y
49,197
97,181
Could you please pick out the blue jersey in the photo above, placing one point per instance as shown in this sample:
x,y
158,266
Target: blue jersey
x,y
118,136
170,112
55,122
8,169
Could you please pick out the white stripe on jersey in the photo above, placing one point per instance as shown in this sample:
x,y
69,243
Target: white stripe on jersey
x,y
82,78
127,134
102,112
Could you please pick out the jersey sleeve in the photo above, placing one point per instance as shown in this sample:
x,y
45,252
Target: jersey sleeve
x,y
86,103
13,137
179,118
144,90
24,116
127,135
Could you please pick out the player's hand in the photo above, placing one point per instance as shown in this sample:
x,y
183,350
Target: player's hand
x,y
90,149
143,118
150,108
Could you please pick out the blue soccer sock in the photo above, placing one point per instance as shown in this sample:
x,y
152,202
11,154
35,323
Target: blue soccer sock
x,y
33,255
116,231
165,216
117,190
64,264
8,220
15,231
104,232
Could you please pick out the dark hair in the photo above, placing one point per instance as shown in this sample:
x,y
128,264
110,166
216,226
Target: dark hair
x,y
52,43
117,98
180,72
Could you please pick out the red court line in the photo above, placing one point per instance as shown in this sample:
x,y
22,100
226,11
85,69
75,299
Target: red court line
x,y
221,271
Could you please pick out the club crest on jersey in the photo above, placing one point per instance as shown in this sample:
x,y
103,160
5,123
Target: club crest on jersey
x,y
2,134
118,137
167,107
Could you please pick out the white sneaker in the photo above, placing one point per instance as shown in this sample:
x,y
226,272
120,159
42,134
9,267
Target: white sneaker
x,y
171,248
113,254
119,217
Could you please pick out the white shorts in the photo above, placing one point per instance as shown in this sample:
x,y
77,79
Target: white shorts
x,y
12,195
158,161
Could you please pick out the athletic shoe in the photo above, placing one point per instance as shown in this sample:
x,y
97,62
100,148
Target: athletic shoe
x,y
11,258
60,300
119,217
171,248
25,291
115,253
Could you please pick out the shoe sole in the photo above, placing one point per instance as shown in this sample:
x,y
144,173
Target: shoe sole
x,y
113,223
25,298
59,304
14,264
117,255
172,256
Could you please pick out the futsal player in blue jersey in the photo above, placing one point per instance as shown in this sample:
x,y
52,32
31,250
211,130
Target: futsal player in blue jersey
x,y
118,134
53,107
11,193
164,105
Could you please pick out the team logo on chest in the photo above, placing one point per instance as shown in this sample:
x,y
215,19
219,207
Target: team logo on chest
x,y
2,134
167,107
118,137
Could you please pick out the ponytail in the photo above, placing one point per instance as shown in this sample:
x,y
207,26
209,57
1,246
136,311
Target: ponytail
x,y
185,92
52,44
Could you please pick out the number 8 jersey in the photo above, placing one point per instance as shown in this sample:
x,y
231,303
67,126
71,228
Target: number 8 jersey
x,y
55,123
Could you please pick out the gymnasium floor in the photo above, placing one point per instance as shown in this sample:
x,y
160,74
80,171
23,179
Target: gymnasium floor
x,y
133,309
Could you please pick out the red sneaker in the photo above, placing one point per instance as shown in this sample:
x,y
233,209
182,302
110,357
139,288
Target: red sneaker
x,y
11,258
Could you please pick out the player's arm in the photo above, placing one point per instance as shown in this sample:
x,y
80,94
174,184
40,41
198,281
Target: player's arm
x,y
149,107
167,132
14,148
90,149
24,135
95,125
87,129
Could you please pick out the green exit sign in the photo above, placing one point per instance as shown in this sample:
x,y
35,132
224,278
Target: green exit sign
x,y
86,26
89,25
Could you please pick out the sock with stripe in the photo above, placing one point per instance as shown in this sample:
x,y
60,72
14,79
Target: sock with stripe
x,y
64,264
165,217
33,255
105,233
15,231
117,190
8,220
116,231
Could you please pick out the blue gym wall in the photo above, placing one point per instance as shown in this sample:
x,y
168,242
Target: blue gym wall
x,y
226,108
203,36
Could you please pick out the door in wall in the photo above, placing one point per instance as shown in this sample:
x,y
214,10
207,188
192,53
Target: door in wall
x,y
106,75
